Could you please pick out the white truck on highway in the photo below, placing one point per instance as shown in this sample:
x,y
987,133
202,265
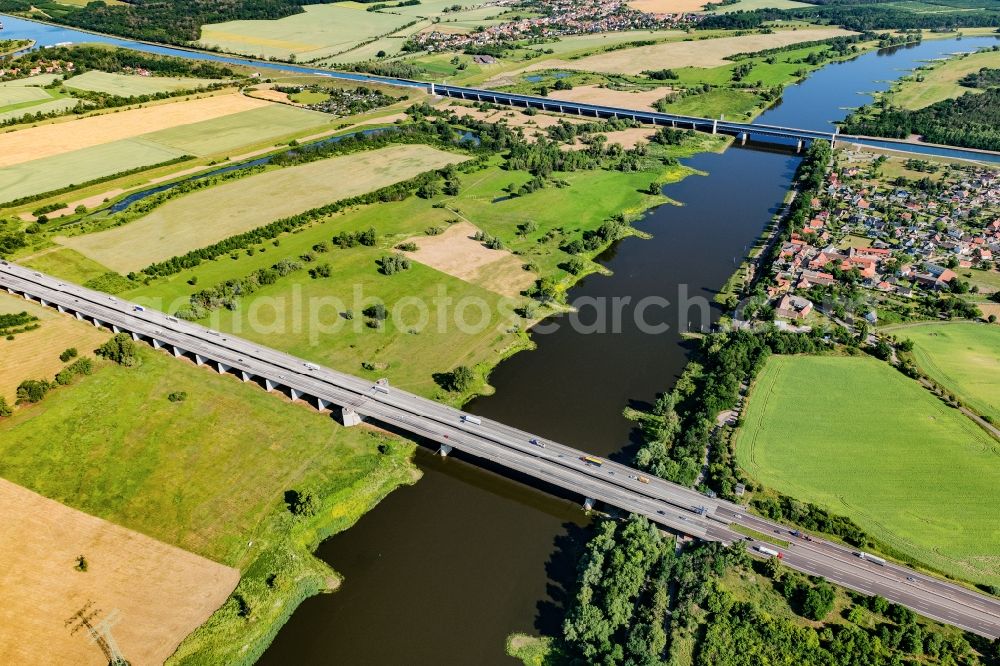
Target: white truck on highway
x,y
469,418
770,552
871,558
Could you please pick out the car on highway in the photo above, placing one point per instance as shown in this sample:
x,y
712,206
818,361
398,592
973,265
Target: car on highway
x,y
534,440
661,512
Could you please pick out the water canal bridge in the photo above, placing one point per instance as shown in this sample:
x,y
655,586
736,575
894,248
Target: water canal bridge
x,y
552,464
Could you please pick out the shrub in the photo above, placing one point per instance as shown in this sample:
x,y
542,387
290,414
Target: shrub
x,y
32,390
68,354
177,396
391,264
376,312
5,409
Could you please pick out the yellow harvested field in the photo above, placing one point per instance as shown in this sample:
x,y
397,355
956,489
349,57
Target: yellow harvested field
x,y
667,6
270,95
641,100
456,253
158,593
514,118
55,139
35,354
207,216
699,53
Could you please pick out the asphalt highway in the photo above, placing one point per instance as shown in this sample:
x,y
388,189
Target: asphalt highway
x,y
675,507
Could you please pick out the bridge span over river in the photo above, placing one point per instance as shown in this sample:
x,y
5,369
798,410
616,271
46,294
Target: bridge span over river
x,y
553,464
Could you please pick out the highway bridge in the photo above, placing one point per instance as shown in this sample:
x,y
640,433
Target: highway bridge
x,y
674,507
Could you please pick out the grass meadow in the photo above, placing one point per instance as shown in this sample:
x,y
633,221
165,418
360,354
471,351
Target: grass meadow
x,y
941,82
962,357
128,85
857,437
208,474
178,226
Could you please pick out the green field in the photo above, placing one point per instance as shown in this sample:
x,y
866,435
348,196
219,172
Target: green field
x,y
50,173
857,437
23,96
941,82
962,357
218,135
208,474
733,104
128,85
178,226
69,264
320,31
308,97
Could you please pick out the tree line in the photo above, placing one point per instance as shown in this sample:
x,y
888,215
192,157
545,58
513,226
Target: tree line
x,y
970,121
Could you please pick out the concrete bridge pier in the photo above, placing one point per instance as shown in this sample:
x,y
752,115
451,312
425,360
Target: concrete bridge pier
x,y
444,450
798,148
295,394
715,127
588,504
157,344
245,376
97,322
198,360
115,329
743,138
673,123
135,336
321,404
178,351
221,367
61,309
269,385
432,89
349,417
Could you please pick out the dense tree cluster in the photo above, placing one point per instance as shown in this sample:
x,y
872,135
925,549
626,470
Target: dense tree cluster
x,y
120,349
86,58
972,121
986,77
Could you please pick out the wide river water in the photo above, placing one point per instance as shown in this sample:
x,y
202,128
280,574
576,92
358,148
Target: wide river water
x,y
442,571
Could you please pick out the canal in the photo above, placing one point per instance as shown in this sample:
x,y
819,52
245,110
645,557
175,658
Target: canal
x,y
441,572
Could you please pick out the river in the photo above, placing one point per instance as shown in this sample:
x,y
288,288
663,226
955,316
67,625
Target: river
x,y
441,572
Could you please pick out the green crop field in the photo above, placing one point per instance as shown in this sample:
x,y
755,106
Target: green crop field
x,y
857,437
320,31
70,264
962,357
50,173
208,474
128,85
19,98
178,226
219,135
